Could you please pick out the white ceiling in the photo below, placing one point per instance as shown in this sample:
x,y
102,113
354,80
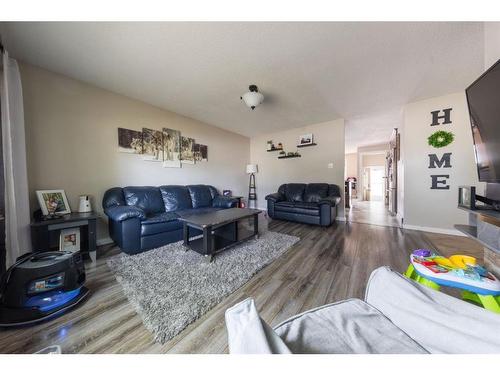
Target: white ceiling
x,y
308,72
371,129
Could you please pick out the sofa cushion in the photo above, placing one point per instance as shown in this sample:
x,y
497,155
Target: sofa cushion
x,y
295,192
314,192
159,223
175,197
146,197
306,208
201,195
191,211
346,327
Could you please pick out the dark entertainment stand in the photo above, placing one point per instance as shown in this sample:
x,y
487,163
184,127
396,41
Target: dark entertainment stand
x,y
484,227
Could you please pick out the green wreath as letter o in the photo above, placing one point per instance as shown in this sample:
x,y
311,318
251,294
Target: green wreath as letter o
x,y
440,139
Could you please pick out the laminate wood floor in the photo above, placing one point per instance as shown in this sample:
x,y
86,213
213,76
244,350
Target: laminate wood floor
x,y
326,265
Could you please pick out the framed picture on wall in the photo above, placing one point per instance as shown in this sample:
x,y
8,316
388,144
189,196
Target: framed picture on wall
x,y
129,141
171,148
53,202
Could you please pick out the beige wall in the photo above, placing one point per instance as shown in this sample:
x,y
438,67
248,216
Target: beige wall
x,y
351,165
72,142
373,160
436,210
362,152
491,43
311,167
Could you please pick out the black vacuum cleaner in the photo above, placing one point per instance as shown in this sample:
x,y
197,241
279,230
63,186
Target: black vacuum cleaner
x,y
40,286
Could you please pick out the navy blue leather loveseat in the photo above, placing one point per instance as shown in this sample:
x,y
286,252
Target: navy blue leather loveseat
x,y
145,217
305,203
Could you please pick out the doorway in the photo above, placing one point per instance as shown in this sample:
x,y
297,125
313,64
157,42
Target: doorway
x,y
376,183
370,207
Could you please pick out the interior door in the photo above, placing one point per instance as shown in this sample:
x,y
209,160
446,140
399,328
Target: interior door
x,y
377,183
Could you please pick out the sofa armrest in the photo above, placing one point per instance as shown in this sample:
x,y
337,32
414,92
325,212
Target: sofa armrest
x,y
221,201
275,197
437,321
121,213
331,200
248,333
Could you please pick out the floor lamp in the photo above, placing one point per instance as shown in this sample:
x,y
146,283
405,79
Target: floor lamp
x,y
252,193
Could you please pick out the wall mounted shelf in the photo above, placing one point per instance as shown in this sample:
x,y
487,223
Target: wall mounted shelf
x,y
275,149
289,157
309,145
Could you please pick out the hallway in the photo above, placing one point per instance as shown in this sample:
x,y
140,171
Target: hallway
x,y
370,212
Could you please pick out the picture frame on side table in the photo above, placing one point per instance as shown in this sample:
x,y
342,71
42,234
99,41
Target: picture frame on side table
x,y
69,240
53,202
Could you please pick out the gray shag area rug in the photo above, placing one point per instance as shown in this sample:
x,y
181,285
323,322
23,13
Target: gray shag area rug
x,y
170,287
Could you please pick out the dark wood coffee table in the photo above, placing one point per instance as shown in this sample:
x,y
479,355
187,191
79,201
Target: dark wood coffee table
x,y
220,229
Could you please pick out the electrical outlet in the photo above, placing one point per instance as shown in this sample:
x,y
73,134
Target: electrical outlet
x,y
330,165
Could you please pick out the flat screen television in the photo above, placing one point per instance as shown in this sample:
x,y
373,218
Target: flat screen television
x,y
483,98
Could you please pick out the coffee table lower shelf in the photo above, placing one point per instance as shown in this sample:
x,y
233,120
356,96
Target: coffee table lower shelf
x,y
219,236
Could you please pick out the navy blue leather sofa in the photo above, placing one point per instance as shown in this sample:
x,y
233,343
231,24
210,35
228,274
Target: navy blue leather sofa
x,y
145,217
305,203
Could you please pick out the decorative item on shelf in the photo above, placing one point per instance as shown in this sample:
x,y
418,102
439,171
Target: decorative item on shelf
x,y
305,140
53,202
69,240
440,139
272,147
252,194
467,197
84,205
282,152
253,97
289,155
226,193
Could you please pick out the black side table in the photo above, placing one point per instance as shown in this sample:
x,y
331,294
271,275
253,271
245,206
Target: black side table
x,y
239,197
44,232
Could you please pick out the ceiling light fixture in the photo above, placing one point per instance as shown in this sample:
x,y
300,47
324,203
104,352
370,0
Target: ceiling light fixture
x,y
252,98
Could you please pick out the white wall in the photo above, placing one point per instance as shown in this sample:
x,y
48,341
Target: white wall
x,y
373,160
351,165
311,167
72,142
491,43
362,152
436,210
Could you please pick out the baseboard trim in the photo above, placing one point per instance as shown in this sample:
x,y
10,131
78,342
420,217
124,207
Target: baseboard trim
x,y
452,232
104,241
341,218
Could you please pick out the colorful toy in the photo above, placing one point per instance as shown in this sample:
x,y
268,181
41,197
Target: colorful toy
x,y
458,271
422,253
462,261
